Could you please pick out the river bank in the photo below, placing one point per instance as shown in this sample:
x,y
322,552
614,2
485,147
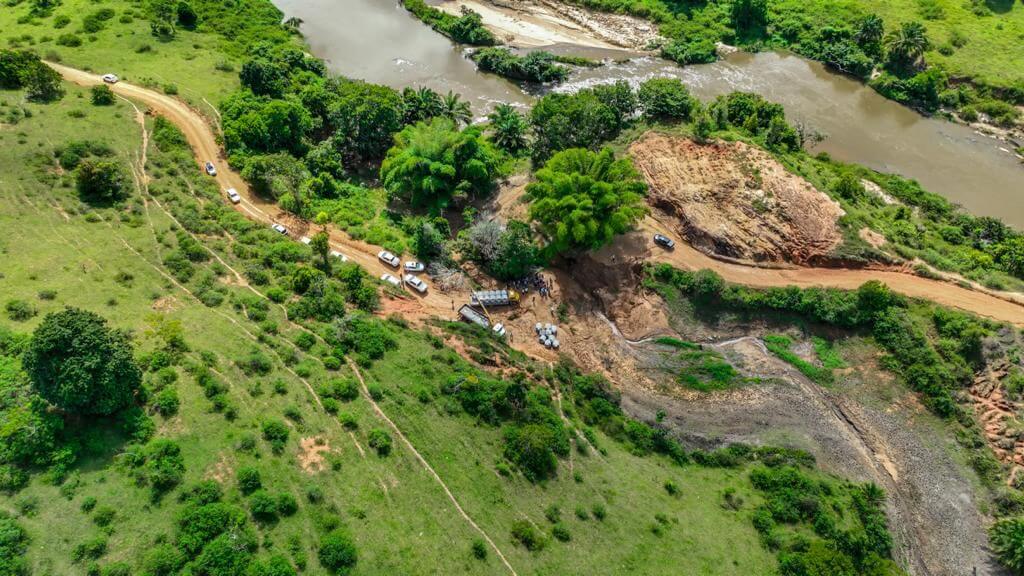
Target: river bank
x,y
534,23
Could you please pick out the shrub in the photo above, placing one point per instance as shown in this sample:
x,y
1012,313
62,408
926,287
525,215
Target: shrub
x,y
526,535
666,100
162,560
166,402
263,506
275,433
102,95
287,505
537,66
479,548
104,516
13,545
20,310
561,533
101,181
337,552
1007,539
380,441
249,480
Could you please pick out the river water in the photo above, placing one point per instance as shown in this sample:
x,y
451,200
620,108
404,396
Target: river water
x,y
377,40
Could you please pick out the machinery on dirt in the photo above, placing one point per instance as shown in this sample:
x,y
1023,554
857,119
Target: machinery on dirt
x,y
486,298
474,316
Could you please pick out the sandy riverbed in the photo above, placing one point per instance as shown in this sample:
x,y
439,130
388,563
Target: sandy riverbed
x,y
533,23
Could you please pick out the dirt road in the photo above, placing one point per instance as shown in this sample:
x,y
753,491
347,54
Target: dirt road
x,y
1003,307
204,145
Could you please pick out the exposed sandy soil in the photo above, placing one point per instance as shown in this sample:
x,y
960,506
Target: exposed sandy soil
x,y
533,23
312,451
732,199
996,409
932,509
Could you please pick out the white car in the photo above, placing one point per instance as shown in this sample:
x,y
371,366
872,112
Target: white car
x,y
305,240
391,280
279,228
417,284
110,78
210,169
339,255
414,266
389,258
233,196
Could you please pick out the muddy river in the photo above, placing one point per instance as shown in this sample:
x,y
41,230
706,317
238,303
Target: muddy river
x,y
377,40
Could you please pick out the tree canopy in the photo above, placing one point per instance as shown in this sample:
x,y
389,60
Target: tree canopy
x,y
101,181
433,163
583,199
79,364
562,121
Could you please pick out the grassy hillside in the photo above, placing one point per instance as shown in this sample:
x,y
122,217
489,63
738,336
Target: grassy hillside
x,y
207,335
992,53
199,61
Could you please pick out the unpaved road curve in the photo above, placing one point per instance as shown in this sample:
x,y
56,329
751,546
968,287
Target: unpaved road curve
x,y
1006,307
204,145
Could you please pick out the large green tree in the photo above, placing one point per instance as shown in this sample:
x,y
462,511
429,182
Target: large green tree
x,y
583,199
666,100
101,181
907,44
365,118
562,121
79,364
508,128
432,164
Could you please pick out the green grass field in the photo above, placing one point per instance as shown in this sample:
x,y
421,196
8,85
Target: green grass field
x,y
993,54
200,63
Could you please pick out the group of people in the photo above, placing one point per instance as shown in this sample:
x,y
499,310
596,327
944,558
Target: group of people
x,y
534,281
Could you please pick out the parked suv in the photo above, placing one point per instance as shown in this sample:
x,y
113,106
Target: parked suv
x,y
664,241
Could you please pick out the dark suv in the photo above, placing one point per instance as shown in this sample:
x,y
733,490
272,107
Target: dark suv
x,y
664,241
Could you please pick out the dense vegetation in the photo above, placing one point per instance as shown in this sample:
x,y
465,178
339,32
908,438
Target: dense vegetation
x,y
581,199
465,29
921,50
434,164
537,66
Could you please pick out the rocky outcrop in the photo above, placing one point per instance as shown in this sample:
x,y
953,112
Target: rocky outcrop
x,y
735,200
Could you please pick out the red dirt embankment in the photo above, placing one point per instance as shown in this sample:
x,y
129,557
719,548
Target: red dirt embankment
x,y
737,201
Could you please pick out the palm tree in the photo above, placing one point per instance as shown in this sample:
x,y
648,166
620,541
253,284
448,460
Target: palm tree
x,y
421,104
455,109
508,128
907,44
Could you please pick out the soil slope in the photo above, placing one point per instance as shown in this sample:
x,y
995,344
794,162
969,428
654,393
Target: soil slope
x,y
735,200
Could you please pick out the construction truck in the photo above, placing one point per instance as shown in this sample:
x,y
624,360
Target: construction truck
x,y
470,314
487,298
